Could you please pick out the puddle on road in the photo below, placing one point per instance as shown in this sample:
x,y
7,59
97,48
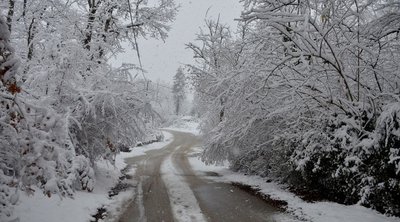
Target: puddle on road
x,y
212,174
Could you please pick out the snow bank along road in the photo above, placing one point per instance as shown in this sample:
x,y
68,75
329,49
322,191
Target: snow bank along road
x,y
168,190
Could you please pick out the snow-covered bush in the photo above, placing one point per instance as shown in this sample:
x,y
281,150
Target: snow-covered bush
x,y
354,159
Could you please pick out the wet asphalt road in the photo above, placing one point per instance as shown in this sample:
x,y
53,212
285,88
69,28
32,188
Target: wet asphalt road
x,y
218,201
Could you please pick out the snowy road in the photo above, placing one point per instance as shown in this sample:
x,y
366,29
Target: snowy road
x,y
168,190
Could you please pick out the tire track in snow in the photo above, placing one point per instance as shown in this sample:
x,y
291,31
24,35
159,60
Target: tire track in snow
x,y
184,204
142,216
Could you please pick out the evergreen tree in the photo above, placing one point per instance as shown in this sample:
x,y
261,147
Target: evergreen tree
x,y
178,90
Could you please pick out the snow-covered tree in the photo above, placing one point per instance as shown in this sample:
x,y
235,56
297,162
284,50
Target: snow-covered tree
x,y
62,107
178,90
306,92
34,143
9,118
162,100
64,48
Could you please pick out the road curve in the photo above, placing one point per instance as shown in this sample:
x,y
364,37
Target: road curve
x,y
218,202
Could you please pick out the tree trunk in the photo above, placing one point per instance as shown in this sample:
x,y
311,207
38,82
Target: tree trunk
x,y
10,14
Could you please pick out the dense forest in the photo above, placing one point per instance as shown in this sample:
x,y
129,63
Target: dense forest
x,y
62,106
306,92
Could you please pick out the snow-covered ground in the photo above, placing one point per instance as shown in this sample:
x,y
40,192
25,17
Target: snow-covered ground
x,y
316,212
39,208
185,124
139,151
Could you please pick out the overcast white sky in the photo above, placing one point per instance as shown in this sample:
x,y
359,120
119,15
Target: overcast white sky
x,y
161,60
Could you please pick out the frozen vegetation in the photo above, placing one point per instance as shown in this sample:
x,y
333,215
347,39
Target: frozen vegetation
x,y
301,210
63,108
302,94
306,93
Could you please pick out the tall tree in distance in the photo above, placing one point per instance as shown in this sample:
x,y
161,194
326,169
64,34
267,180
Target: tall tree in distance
x,y
178,90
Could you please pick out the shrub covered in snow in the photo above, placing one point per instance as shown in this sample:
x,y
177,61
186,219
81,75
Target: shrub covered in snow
x,y
354,159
